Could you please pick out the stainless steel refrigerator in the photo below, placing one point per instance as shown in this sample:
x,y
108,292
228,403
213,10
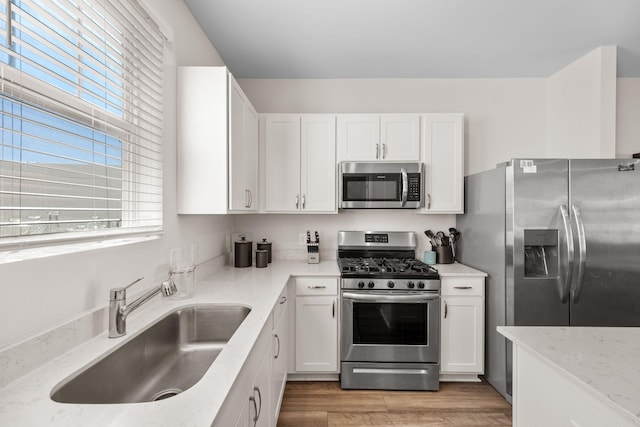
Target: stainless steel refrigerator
x,y
560,242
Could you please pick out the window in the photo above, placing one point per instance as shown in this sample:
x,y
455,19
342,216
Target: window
x,y
81,120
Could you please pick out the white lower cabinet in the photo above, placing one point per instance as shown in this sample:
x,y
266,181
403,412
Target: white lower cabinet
x,y
260,394
462,328
279,346
254,399
316,325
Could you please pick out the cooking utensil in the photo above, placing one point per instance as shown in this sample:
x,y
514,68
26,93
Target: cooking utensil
x,y
432,237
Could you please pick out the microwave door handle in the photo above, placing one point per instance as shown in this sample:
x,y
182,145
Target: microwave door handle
x,y
405,186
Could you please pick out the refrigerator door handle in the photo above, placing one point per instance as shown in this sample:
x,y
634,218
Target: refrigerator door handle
x,y
564,283
576,286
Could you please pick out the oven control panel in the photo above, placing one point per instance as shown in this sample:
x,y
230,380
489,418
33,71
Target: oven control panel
x,y
391,284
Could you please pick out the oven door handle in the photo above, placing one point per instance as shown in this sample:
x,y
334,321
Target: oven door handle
x,y
400,298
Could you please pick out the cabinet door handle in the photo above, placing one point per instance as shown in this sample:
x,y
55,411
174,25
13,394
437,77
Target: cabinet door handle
x,y
297,201
250,198
283,299
462,287
252,399
446,309
333,309
278,341
384,151
247,204
304,202
377,151
428,201
317,286
259,407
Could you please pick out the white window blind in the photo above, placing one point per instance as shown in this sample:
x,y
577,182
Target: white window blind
x,y
81,111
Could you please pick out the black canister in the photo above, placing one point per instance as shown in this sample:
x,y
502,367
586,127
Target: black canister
x,y
242,253
261,258
264,245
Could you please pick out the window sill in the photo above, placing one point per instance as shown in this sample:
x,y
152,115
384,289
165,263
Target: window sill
x,y
24,254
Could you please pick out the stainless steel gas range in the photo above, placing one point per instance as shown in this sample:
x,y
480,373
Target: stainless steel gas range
x,y
390,306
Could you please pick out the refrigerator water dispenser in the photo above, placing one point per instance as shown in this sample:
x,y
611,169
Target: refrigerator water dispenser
x,y
541,253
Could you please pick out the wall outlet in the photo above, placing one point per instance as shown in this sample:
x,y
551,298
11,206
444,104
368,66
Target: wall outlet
x,y
302,238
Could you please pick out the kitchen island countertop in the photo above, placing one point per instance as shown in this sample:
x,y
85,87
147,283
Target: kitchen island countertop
x,y
26,402
602,361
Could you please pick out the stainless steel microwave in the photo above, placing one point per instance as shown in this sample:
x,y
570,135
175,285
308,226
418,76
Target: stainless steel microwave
x,y
381,185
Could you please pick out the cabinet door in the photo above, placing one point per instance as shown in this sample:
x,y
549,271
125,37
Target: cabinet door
x,y
202,140
251,156
462,335
317,334
400,137
318,164
279,364
282,163
359,137
444,162
243,418
243,150
260,394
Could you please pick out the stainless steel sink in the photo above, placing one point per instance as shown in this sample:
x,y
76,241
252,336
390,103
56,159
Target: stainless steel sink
x,y
167,358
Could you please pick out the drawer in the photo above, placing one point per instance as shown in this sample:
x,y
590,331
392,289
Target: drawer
x,y
465,286
316,286
280,306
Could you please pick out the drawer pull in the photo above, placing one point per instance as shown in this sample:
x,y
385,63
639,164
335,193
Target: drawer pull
x,y
317,286
462,287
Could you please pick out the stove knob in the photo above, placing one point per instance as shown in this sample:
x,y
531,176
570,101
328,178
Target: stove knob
x,y
390,284
411,285
371,284
421,285
361,284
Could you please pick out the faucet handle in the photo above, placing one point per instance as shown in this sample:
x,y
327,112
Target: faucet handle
x,y
117,294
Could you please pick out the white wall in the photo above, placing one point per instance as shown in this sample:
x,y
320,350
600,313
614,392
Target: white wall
x,y
581,107
628,117
39,294
504,118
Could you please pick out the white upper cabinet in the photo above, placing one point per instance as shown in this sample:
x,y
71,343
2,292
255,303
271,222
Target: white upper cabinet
x,y
281,163
217,144
359,137
299,163
400,137
443,142
318,163
375,137
243,151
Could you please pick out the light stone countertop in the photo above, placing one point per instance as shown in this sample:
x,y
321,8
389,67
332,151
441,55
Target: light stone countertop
x,y
457,269
602,361
25,401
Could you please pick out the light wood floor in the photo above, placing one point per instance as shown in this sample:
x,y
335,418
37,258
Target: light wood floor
x,y
316,404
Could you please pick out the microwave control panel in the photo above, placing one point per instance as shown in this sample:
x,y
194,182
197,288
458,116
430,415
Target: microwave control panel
x,y
413,193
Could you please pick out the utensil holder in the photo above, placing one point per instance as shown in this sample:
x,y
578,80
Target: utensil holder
x,y
444,255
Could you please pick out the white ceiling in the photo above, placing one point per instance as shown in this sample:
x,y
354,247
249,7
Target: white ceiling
x,y
416,38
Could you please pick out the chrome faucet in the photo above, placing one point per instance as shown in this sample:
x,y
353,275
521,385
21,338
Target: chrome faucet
x,y
119,309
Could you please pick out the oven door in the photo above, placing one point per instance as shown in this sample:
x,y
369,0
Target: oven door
x,y
397,326
380,185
